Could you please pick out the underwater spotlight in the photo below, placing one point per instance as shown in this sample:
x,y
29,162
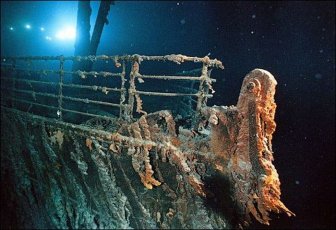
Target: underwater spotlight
x,y
67,33
27,26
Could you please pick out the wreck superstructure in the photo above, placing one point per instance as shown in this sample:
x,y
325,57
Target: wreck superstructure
x,y
173,155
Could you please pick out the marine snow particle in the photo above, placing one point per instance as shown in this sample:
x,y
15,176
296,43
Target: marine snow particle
x,y
318,76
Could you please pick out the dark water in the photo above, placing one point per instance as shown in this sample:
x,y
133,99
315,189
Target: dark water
x,y
295,41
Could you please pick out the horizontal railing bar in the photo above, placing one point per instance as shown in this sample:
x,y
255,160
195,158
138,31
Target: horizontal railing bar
x,y
177,58
90,101
83,130
99,134
94,73
31,92
93,87
83,113
165,94
170,77
170,94
72,58
64,97
66,110
52,107
30,102
45,71
29,81
163,77
79,73
108,74
107,103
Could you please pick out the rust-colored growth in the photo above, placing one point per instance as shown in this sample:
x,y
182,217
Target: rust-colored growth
x,y
239,144
241,137
236,141
197,185
240,140
175,141
135,68
147,132
145,127
141,164
88,143
139,103
147,178
224,124
140,155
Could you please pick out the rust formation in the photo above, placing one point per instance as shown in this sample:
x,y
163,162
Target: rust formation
x,y
242,142
234,142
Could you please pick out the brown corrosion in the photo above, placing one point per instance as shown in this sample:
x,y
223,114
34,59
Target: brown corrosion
x,y
242,141
235,141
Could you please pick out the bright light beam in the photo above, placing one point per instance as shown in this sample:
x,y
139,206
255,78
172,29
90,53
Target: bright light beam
x,y
67,33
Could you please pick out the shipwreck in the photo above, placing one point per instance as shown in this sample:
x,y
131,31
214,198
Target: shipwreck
x,y
69,164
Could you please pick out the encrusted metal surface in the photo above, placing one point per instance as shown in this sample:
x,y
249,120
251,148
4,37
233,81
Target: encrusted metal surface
x,y
126,110
231,143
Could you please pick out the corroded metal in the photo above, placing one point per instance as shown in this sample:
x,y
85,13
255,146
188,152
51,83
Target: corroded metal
x,y
231,142
126,110
177,58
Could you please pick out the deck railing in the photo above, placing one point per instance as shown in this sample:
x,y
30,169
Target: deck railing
x,y
129,95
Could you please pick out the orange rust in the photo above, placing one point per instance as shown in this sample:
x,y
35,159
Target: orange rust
x,y
175,141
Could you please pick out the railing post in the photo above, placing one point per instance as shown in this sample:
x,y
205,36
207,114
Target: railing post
x,y
201,101
123,90
60,89
131,92
128,93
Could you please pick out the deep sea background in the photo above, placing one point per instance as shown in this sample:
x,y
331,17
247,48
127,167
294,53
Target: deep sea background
x,y
295,41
